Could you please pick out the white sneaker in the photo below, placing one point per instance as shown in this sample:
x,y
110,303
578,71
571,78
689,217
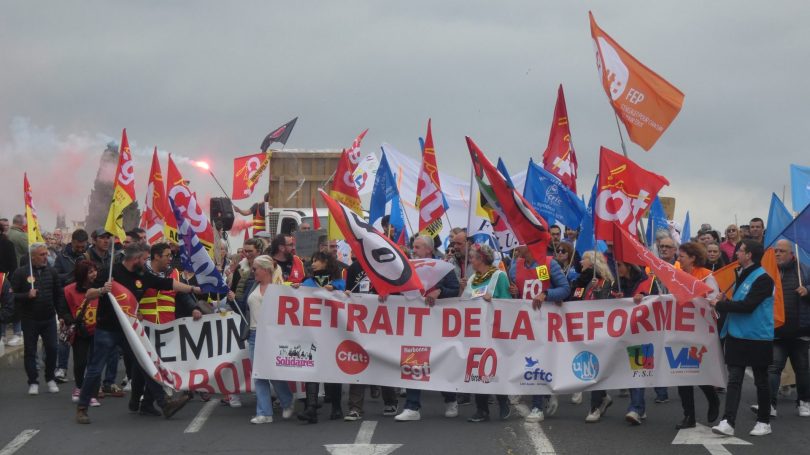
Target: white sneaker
x,y
15,340
390,410
236,402
94,403
576,398
761,429
593,416
408,415
60,374
755,409
451,409
258,420
33,389
127,385
536,415
287,413
606,402
723,428
551,405
803,409
52,387
633,418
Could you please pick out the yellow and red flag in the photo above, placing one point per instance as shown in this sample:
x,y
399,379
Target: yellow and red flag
x,y
153,218
429,197
123,190
246,172
186,202
34,234
344,191
559,158
644,101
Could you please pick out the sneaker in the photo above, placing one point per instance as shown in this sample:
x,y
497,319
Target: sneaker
x,y
803,408
633,418
235,401
593,416
451,409
33,389
15,340
463,400
723,428
606,402
81,416
661,400
74,396
536,415
113,390
287,413
478,417
258,420
94,403
755,409
514,400
352,416
576,398
408,415
551,406
60,375
126,385
390,410
760,429
505,412
52,387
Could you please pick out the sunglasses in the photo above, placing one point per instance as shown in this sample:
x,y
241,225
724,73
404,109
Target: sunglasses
x,y
561,251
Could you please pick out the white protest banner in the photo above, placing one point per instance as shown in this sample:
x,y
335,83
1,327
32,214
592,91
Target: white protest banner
x,y
501,347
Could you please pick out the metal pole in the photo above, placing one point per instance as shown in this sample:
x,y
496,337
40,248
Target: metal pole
x,y
219,185
621,136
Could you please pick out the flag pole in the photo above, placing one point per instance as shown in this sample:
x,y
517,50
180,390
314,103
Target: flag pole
x,y
211,173
621,136
31,269
469,218
798,265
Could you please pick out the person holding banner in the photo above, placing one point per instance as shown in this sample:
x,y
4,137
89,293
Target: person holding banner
x,y
748,333
266,272
486,283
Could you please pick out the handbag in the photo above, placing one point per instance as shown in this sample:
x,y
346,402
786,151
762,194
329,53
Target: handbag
x,y
68,332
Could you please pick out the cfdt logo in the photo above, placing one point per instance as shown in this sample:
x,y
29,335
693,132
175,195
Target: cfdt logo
x,y
585,366
533,374
482,365
351,358
414,363
685,358
642,359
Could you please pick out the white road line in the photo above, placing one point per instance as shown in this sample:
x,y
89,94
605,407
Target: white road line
x,y
18,442
366,432
749,373
717,449
540,441
202,416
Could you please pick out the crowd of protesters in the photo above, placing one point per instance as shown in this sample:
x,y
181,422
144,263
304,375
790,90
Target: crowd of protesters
x,y
58,294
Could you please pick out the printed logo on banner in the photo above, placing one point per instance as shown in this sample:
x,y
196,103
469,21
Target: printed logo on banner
x,y
351,358
642,360
585,366
533,374
414,363
482,365
296,355
684,358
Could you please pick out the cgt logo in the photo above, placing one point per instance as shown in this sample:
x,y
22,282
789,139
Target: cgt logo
x,y
642,359
585,366
351,358
534,374
414,363
482,365
685,358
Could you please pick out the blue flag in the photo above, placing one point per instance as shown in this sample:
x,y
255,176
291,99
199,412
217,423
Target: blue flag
x,y
586,240
384,190
686,232
798,231
551,198
778,219
502,169
195,259
800,186
657,220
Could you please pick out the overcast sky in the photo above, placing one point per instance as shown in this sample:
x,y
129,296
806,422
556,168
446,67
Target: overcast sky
x,y
208,79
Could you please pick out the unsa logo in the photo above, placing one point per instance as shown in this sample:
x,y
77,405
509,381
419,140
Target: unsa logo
x,y
585,366
351,358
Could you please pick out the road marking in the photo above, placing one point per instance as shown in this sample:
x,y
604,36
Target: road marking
x,y
201,417
17,443
362,443
366,432
702,435
542,445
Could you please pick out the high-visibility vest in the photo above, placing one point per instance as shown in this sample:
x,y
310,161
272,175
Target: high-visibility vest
x,y
156,306
259,224
533,281
297,274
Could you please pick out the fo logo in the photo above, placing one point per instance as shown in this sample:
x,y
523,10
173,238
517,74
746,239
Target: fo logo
x,y
685,357
414,363
585,366
482,364
642,359
351,358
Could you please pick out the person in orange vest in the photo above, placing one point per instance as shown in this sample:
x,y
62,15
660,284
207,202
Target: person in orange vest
x,y
282,250
258,213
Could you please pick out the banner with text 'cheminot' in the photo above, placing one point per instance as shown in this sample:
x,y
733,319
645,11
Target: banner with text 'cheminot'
x,y
474,346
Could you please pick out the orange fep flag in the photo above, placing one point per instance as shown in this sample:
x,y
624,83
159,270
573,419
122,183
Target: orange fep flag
x,y
772,268
725,278
644,101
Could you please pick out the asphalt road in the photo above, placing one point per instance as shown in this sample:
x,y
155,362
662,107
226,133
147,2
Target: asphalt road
x,y
115,430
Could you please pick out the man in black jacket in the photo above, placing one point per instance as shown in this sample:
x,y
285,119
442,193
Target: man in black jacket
x,y
39,297
71,253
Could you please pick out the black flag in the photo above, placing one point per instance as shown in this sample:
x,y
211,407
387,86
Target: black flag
x,y
280,134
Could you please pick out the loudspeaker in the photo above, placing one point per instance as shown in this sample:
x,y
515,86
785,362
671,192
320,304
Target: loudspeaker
x,y
221,213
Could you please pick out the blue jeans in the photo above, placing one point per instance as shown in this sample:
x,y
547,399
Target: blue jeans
x,y
16,326
105,345
662,393
637,401
797,350
264,402
413,398
32,332
539,401
111,370
62,355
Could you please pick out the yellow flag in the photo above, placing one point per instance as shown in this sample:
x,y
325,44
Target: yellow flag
x,y
34,234
123,190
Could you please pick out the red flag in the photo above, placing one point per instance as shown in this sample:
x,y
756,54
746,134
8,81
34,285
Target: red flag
x,y
186,202
529,227
625,191
386,265
152,220
31,220
246,172
429,197
644,101
344,191
126,299
354,150
682,285
559,157
123,190
316,222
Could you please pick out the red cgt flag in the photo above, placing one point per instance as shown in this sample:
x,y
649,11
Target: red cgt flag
x,y
246,172
625,191
186,201
387,267
156,203
644,101
559,157
429,197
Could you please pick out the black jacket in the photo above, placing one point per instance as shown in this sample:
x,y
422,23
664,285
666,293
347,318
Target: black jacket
x,y
50,299
797,308
6,303
65,264
8,257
